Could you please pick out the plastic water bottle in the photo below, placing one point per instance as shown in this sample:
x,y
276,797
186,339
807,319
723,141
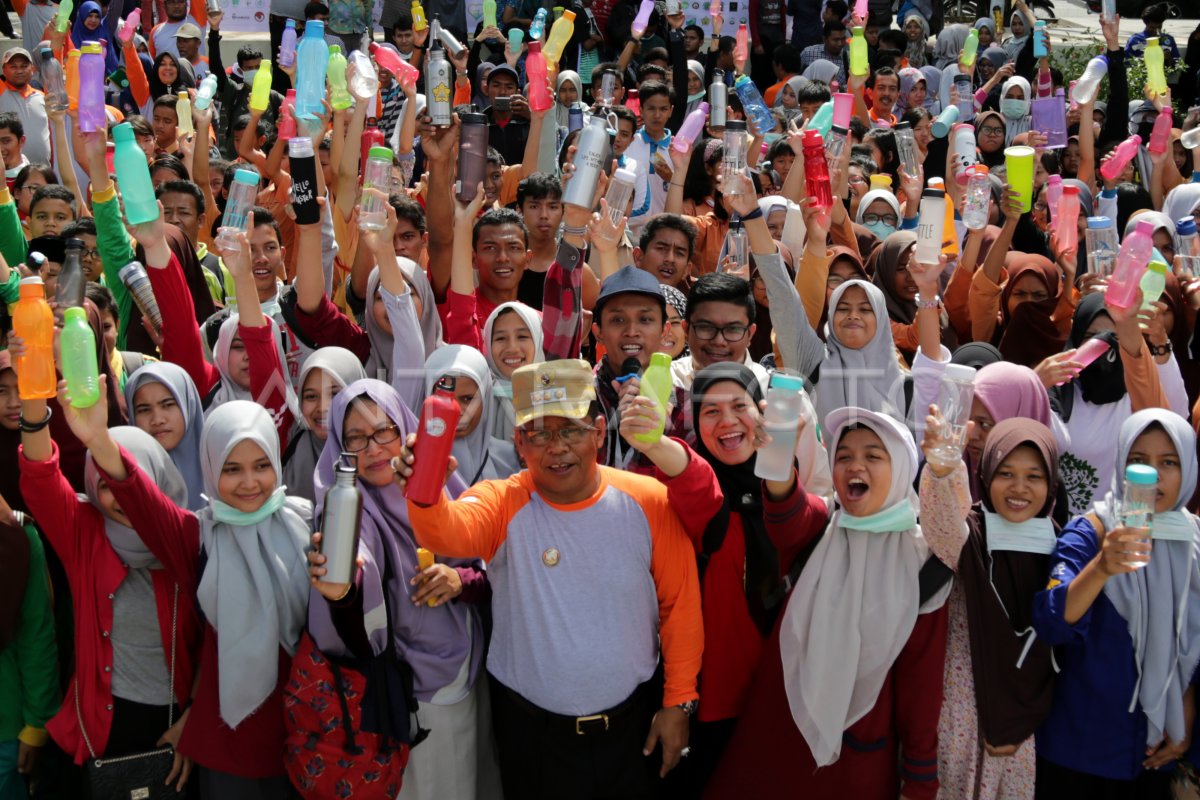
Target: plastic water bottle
x,y
79,367
970,48
92,116
692,127
515,37
822,121
861,8
287,45
754,105
816,170
906,148
1189,242
1139,498
1108,9
53,80
955,395
33,321
133,175
1190,138
341,521
560,33
489,13
964,152
620,191
418,16
1039,40
260,92
944,122
1089,82
741,47
1156,79
1131,263
62,17
776,459
538,26
835,144
72,282
737,245
1102,245
134,276
536,67
1153,283
206,92
312,62
377,174
858,53
183,110
1122,155
930,226
129,26
242,193
72,79
977,199
966,97
1053,189
1067,215
339,95
287,117
656,383
1160,136
733,159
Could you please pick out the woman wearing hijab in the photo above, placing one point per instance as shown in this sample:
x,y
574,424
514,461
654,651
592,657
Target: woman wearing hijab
x,y
1182,201
137,624
90,26
696,88
933,85
481,456
948,46
912,91
987,32
822,70
999,678
441,641
1015,102
879,212
888,265
916,31
1015,43
1126,636
163,402
789,96
830,710
990,137
323,374
513,335
1025,312
569,93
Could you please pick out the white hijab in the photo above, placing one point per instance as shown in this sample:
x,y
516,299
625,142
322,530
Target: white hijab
x,y
502,419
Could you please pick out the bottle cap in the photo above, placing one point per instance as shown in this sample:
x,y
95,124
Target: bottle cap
x,y
1157,266
933,194
381,153
315,29
73,244
1146,228
300,147
735,125
32,280
1099,223
247,177
1069,191
1151,41
1141,474
291,23
90,48
335,50
1055,180
184,96
75,314
978,169
472,118
781,380
904,126
812,138
625,176
569,16
1186,226
959,373
660,360
123,133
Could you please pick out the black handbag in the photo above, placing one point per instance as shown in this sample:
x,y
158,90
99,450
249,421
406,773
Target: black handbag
x,y
137,776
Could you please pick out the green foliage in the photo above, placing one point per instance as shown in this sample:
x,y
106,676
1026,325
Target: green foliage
x,y
1072,59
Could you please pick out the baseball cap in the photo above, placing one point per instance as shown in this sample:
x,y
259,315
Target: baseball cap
x,y
188,30
505,69
564,388
629,280
16,51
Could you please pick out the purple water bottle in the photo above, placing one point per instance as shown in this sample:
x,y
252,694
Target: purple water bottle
x,y
91,89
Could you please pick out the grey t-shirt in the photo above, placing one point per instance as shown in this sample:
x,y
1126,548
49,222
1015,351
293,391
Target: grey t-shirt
x,y
140,669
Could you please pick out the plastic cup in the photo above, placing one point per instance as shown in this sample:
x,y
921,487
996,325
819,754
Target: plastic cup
x,y
515,36
1018,162
843,108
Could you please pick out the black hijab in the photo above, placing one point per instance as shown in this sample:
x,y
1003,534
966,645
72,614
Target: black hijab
x,y
1102,381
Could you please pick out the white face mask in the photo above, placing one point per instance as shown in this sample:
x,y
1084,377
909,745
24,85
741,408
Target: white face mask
x,y
248,76
1014,107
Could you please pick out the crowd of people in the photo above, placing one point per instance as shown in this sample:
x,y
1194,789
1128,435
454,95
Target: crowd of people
x,y
602,597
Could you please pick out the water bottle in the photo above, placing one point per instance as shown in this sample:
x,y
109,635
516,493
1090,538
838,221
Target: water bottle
x,y
1160,136
930,226
1067,215
966,97
858,53
515,37
312,62
53,80
733,159
776,459
835,144
736,244
339,95
260,92
977,199
574,119
134,276
816,171
377,174
906,148
1153,283
822,120
633,102
1088,84
1137,504
1189,242
418,16
861,8
964,152
944,122
72,79
133,175
1053,190
560,33
1156,79
489,14
472,155
1101,243
620,191
1108,9
372,137
365,82
754,106
435,440
691,129
718,100
591,156
62,17
1039,40
741,47
538,26
1122,155
72,281
183,111
1132,260
715,10
537,69
303,164
33,321
955,395
439,86
242,193
448,40
970,48
92,116
341,522
1190,138
287,116
1049,115
79,366
657,384
206,92
129,26
287,46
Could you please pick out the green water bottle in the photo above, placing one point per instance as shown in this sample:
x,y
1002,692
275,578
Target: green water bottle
x,y
339,96
1153,282
79,366
657,384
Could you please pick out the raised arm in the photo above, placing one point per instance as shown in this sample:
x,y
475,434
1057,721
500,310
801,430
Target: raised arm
x,y
984,299
441,147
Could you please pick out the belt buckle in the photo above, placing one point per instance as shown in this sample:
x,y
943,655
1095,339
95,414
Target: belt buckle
x,y
580,721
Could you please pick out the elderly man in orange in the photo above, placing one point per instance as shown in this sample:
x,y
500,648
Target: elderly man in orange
x,y
590,572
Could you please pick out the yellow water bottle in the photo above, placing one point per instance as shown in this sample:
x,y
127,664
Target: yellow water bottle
x,y
424,562
1156,79
560,34
858,53
658,385
260,92
418,16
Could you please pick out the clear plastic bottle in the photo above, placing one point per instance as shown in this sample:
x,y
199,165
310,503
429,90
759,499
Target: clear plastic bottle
x,y
33,321
977,199
1190,138
377,174
691,128
1122,155
91,89
287,45
1132,260
54,80
134,276
133,175
365,81
1137,504
835,144
737,245
741,46
754,105
657,384
206,92
538,26
1088,84
930,222
966,97
620,191
72,282
733,160
335,76
1067,215
955,395
242,193
1101,242
79,367
341,521
1156,79
312,62
776,459
906,148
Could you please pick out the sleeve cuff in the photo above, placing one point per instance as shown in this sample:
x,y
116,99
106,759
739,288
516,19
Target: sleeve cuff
x,y
104,195
34,737
11,291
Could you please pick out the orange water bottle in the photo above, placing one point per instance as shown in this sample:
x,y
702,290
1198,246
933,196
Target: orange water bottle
x,y
73,79
33,321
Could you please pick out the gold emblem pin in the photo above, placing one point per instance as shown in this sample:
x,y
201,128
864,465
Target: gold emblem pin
x,y
550,556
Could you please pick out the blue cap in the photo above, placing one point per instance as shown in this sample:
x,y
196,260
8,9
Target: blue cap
x,y
1186,226
1098,223
629,280
1141,474
246,176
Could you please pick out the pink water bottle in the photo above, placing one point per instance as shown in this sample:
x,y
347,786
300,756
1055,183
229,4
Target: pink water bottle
x,y
1067,214
1131,263
1160,137
741,48
691,128
860,9
91,89
287,116
1122,155
535,68
1054,191
130,27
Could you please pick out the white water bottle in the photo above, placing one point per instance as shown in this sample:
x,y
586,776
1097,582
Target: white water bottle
x,y
1089,82
931,226
977,200
775,460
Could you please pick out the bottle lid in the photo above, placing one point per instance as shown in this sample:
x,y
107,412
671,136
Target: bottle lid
x,y
471,118
959,373
300,147
625,176
735,125
73,244
247,177
858,30
381,153
978,169
314,29
782,380
840,129
1141,474
903,126
291,23
1145,228
742,79
75,314
933,194
660,360
36,258
184,96
1070,191
812,138
90,48
569,16
335,50
73,54
131,270
1151,41
123,133
32,280
1055,180
1186,226
347,463
1157,266
1099,223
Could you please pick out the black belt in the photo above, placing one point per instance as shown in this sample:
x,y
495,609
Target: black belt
x,y
589,724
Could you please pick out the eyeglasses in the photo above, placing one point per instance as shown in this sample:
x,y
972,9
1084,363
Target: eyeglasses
x,y
706,331
887,219
991,130
87,254
569,435
356,443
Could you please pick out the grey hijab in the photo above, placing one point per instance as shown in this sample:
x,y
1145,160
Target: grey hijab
x,y
949,45
380,362
1086,201
154,461
1160,602
822,70
343,368
227,389
186,454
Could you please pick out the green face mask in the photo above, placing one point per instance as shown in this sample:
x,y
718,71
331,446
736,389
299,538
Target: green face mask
x,y
223,512
896,518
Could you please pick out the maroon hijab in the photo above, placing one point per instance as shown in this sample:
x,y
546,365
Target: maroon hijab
x,y
1028,334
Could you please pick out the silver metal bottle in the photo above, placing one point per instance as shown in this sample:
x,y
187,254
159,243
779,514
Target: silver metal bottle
x,y
591,157
718,100
439,86
341,522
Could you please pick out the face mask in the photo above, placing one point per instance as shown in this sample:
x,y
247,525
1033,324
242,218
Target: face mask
x,y
248,76
692,98
880,229
1014,108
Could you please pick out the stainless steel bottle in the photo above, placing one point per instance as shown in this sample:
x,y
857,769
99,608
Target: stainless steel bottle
x,y
341,522
718,100
439,86
472,155
591,157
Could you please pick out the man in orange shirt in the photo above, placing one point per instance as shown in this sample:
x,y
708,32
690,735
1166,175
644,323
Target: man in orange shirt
x,y
590,570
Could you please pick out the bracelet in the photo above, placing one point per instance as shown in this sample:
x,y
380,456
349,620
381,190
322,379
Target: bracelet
x,y
755,214
462,73
28,427
932,304
1160,349
571,230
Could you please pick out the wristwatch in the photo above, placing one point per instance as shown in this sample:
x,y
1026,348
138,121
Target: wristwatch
x,y
1160,349
689,708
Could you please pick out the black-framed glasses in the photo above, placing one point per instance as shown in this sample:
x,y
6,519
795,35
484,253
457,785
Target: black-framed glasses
x,y
569,435
706,331
991,130
887,219
357,442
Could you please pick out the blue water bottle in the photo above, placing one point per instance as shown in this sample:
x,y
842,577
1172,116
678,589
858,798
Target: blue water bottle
x,y
312,61
538,25
1039,40
754,105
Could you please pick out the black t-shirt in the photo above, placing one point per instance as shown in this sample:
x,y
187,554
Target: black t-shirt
x,y
531,288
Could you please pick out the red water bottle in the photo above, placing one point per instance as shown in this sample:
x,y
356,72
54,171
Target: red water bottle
x,y
435,440
372,137
287,117
816,170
